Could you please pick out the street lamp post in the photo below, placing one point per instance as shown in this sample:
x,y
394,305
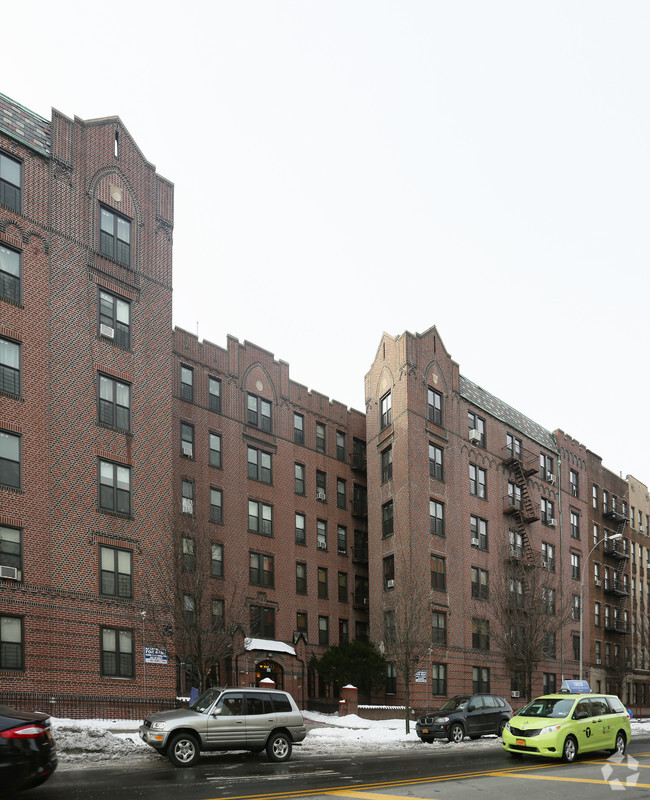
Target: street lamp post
x,y
582,585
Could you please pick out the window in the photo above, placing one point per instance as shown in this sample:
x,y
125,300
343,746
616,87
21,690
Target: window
x,y
358,454
218,615
434,406
323,631
513,446
216,560
115,319
439,628
387,519
478,481
117,653
115,236
262,622
515,593
114,487
389,572
546,468
299,478
9,367
575,607
342,540
594,496
573,482
188,554
321,485
259,413
481,634
216,505
516,544
476,427
10,182
435,462
187,440
259,465
260,518
260,570
187,497
9,460
341,494
298,429
548,512
12,647
386,464
322,583
597,614
480,585
438,574
575,525
321,534
343,587
320,437
548,556
214,394
187,383
116,572
436,518
548,600
301,578
11,549
439,679
301,536
478,530
343,631
575,566
385,410
550,683
301,622
214,442
340,445
514,495
390,686
389,626
480,679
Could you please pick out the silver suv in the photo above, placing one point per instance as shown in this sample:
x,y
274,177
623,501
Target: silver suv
x,y
227,719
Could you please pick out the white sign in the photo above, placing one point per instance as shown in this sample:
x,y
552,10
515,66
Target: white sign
x,y
155,655
421,676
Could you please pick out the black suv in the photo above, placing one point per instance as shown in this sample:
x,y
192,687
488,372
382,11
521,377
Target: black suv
x,y
463,715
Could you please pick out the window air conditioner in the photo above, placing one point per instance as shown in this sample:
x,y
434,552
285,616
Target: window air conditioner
x,y
515,694
474,435
475,542
187,451
545,563
550,477
552,522
365,601
106,331
322,545
320,496
641,528
390,584
597,581
598,661
11,573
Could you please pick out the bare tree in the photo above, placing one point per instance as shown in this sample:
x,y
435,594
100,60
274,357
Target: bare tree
x,y
526,607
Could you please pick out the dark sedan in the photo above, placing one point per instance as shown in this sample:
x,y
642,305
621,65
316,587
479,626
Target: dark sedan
x,y
463,715
27,750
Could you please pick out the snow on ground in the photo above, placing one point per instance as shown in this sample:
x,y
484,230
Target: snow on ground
x,y
87,742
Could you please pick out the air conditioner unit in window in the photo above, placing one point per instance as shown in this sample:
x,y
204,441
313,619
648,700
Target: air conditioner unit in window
x,y
598,661
551,522
322,545
321,496
597,581
390,584
550,477
187,505
365,601
474,436
475,542
545,563
515,694
106,331
10,573
187,451
641,528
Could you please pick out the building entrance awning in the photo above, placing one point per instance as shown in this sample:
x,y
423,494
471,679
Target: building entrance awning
x,y
269,645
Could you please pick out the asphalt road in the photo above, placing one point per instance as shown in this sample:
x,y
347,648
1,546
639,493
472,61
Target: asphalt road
x,y
366,776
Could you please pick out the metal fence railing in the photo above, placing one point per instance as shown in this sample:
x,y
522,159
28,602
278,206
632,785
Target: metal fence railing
x,y
87,707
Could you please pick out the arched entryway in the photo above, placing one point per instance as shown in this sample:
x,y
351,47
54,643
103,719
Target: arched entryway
x,y
269,669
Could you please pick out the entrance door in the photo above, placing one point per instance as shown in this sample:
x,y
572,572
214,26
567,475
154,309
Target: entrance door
x,y
272,670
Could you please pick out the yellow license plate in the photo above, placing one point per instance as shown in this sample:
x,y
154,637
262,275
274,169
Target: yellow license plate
x,y
521,742
425,730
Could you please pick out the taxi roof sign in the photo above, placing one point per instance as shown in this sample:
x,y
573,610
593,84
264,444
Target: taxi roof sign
x,y
575,687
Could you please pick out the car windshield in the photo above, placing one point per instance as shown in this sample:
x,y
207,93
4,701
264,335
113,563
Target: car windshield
x,y
203,703
455,703
554,707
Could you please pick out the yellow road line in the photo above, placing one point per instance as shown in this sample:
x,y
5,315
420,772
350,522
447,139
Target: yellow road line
x,y
373,796
569,780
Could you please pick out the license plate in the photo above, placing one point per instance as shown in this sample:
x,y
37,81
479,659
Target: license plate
x,y
521,742
425,730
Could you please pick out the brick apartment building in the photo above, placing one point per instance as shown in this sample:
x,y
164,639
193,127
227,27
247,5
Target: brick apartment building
x,y
142,470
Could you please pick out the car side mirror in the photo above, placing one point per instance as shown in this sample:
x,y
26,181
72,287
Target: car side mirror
x,y
217,712
581,715
471,708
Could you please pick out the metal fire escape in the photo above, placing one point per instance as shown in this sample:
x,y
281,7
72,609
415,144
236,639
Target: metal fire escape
x,y
518,504
616,551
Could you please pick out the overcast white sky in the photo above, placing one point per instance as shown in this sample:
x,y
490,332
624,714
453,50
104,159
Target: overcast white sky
x,y
350,167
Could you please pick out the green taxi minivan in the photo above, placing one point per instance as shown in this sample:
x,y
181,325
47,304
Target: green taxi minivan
x,y
567,723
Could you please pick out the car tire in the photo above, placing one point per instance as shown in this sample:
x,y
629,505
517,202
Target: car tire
x,y
569,749
183,750
427,739
515,753
278,747
456,733
502,727
620,744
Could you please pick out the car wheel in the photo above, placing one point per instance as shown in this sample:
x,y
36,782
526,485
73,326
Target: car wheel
x,y
620,744
502,727
456,733
570,749
427,739
278,747
183,750
515,753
